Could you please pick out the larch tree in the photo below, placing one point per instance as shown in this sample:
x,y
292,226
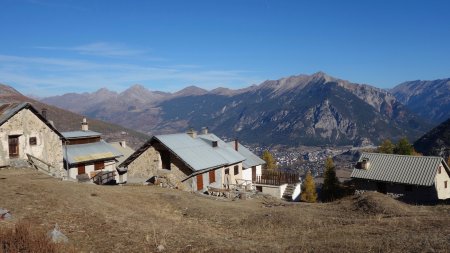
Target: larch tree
x,y
386,147
403,147
271,164
331,189
309,193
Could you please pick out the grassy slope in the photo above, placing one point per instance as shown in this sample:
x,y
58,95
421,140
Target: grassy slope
x,y
138,218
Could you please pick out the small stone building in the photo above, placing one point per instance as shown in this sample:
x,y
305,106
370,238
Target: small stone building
x,y
187,161
23,130
413,179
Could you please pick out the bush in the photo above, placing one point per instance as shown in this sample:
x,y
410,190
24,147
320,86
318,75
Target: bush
x,y
24,237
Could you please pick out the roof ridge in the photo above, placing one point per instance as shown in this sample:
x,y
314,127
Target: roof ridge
x,y
412,156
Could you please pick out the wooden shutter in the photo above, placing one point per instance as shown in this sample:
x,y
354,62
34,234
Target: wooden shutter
x,y
212,176
99,165
199,182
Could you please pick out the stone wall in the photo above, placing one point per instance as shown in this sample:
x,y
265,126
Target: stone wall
x,y
26,124
146,165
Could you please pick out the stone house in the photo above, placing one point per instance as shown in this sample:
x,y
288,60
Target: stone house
x,y
414,179
187,161
23,130
86,154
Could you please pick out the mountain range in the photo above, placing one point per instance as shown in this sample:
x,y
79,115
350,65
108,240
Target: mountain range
x,y
436,142
298,110
429,99
65,120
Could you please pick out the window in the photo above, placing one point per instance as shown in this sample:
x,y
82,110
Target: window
x,y
212,176
33,141
227,171
165,158
445,184
236,170
439,170
13,142
99,165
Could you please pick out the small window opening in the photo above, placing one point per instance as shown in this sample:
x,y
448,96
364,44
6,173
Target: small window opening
x,y
33,141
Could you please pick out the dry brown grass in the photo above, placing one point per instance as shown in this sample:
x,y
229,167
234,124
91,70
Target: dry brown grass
x,y
143,218
26,237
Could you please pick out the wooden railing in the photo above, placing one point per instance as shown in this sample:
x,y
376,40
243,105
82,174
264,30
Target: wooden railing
x,y
40,164
277,178
103,177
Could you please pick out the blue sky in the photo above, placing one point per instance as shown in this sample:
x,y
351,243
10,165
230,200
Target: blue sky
x,y
53,47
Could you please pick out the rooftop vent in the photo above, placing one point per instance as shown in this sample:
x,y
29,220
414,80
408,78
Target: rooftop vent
x,y
192,133
204,130
214,144
84,125
44,113
365,163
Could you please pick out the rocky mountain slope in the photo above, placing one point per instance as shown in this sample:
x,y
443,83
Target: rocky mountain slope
x,y
305,109
436,142
430,99
68,121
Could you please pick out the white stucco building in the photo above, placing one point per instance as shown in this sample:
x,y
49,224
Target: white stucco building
x,y
86,153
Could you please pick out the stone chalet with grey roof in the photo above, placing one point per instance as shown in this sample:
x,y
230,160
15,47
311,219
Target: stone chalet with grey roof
x,y
409,178
24,131
188,161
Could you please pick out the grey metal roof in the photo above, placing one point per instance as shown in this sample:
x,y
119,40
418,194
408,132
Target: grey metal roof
x,y
250,158
80,134
413,170
125,151
82,153
199,153
10,109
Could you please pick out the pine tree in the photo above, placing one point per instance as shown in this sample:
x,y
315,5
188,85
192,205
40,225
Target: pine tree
x,y
331,189
403,147
270,161
309,193
386,147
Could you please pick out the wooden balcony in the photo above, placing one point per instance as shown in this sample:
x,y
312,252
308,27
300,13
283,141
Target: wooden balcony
x,y
277,178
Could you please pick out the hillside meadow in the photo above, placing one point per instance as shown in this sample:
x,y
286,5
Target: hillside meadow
x,y
135,218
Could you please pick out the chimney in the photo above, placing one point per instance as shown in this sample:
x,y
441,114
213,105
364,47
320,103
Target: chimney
x,y
123,144
84,125
44,113
236,144
204,130
215,144
192,133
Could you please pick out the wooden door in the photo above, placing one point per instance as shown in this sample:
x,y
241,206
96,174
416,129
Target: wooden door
x,y
212,176
199,182
13,142
81,169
